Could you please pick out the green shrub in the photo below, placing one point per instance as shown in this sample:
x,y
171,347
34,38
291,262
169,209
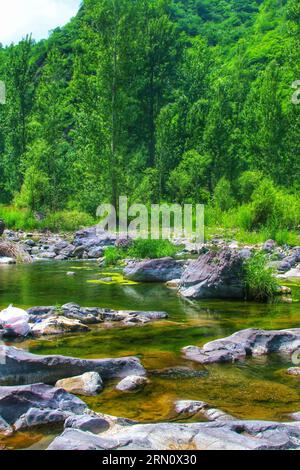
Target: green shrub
x,y
151,249
67,221
18,219
260,283
114,255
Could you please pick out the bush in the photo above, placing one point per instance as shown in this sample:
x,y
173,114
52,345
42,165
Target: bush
x,y
18,219
67,221
114,255
260,283
151,249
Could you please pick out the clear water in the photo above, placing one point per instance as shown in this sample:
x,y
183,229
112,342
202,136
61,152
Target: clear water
x,y
254,389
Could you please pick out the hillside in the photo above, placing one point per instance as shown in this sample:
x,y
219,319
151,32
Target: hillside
x,y
157,99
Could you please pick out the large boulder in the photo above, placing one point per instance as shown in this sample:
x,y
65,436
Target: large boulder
x,y
250,342
154,270
33,405
20,367
216,275
88,384
218,435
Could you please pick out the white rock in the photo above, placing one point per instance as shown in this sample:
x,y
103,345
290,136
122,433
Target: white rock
x,y
132,382
89,384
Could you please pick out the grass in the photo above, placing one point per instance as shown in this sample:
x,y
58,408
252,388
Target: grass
x,y
23,219
260,283
140,249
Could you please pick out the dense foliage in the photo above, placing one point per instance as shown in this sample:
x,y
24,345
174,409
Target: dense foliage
x,y
160,100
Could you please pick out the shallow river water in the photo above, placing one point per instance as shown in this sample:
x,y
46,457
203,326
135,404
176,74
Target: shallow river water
x,y
254,389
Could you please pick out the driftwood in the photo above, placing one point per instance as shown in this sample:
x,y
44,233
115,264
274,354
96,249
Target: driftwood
x,y
13,250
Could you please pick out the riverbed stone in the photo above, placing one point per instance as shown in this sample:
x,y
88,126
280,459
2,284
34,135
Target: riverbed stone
x,y
131,383
93,424
37,404
154,270
192,407
219,435
295,371
215,275
20,367
89,384
58,325
250,342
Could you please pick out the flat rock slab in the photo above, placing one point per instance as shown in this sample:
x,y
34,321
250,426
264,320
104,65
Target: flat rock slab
x,y
250,342
231,435
32,405
18,367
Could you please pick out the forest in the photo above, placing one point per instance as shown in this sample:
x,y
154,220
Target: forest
x,y
162,101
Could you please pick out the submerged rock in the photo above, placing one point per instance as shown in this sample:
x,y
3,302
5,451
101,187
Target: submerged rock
x,y
250,342
191,407
21,367
215,275
179,373
219,435
88,384
132,383
154,270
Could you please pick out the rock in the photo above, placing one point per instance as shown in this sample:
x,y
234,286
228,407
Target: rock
x,y
7,260
269,246
58,325
5,428
21,367
219,435
95,253
87,316
88,384
291,260
293,273
71,273
191,407
47,255
2,227
250,342
154,270
93,424
295,371
215,275
295,416
15,322
131,383
38,312
32,405
75,439
284,290
174,284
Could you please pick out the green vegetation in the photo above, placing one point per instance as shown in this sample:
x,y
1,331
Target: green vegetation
x,y
261,285
140,249
24,219
151,249
160,100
